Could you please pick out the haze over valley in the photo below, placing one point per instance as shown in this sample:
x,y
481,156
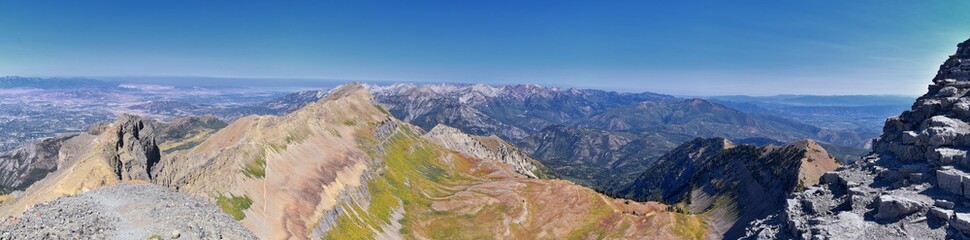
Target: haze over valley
x,y
484,120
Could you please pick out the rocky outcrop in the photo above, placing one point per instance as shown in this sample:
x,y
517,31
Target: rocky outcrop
x,y
490,147
135,149
124,150
915,184
733,183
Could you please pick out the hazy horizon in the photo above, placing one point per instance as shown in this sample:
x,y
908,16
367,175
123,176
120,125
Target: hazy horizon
x,y
298,84
695,49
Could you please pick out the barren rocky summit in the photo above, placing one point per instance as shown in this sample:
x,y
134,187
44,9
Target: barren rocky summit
x,y
125,211
915,184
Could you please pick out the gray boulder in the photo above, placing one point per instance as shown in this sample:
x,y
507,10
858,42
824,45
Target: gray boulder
x,y
962,108
944,204
910,137
961,222
846,225
940,213
949,156
893,208
947,92
950,180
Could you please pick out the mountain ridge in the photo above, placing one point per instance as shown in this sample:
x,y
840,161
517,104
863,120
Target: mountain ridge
x,y
734,183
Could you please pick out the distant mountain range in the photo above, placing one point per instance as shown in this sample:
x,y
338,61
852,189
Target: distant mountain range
x,y
53,83
598,138
620,144
475,161
338,168
267,170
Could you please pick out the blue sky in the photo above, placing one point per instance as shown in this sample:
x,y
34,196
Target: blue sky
x,y
692,48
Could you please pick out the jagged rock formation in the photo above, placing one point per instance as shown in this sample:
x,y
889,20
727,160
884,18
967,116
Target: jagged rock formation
x,y
135,148
912,186
124,150
490,147
734,183
23,166
125,211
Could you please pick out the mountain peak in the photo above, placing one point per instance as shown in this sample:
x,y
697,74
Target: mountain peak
x,y
957,66
695,102
347,90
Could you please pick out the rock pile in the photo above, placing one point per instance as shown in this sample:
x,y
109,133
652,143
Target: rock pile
x,y
915,184
125,211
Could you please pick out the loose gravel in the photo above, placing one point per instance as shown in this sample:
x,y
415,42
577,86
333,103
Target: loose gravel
x,y
125,211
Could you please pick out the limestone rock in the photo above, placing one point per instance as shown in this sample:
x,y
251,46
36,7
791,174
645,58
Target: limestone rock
x,y
846,225
910,137
961,222
947,92
950,156
950,180
944,204
941,213
892,208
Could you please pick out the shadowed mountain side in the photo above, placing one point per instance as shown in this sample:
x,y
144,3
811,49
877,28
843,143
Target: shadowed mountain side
x,y
734,183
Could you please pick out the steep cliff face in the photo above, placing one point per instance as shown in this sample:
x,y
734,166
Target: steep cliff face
x,y
912,186
135,149
123,150
734,183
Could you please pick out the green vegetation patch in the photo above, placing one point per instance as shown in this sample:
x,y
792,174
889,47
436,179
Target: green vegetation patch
x,y
257,167
381,108
350,122
688,226
184,146
154,236
411,174
234,206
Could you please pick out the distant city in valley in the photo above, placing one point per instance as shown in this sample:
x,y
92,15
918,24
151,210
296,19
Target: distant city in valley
x,y
453,120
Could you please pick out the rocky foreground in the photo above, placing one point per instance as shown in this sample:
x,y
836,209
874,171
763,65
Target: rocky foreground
x,y
125,211
915,185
